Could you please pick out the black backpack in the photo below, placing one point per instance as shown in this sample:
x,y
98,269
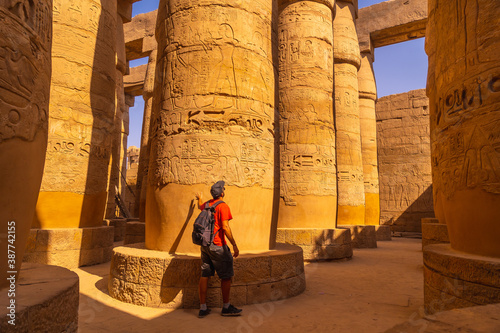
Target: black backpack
x,y
203,227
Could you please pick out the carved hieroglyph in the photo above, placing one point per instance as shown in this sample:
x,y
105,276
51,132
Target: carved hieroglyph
x,y
142,173
82,109
351,198
368,127
25,66
212,119
308,186
464,95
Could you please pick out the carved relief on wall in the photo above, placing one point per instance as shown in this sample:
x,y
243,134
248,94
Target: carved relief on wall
x,y
24,68
217,95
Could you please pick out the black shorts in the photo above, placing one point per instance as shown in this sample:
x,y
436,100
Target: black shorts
x,y
217,259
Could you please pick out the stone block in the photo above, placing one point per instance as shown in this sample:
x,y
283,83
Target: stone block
x,y
239,295
118,265
102,237
151,271
182,273
283,267
87,238
67,259
91,256
107,254
280,235
132,269
296,285
154,299
135,293
252,270
383,232
258,293
298,237
58,239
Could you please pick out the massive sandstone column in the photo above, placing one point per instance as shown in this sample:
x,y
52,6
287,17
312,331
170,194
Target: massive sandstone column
x,y
212,119
351,199
368,126
25,65
82,108
464,91
142,172
308,184
463,85
117,166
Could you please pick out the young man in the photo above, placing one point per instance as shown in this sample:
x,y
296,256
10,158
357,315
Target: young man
x,y
217,257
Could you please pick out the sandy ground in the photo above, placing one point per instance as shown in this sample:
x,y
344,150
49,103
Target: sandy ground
x,y
376,290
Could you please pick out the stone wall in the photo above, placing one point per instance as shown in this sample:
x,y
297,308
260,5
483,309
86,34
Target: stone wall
x,y
404,160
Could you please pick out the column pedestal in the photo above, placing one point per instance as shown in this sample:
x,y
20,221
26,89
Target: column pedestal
x,y
318,244
70,247
362,236
46,301
454,279
159,279
383,232
434,232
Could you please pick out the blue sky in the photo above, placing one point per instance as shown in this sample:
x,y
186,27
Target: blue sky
x,y
398,68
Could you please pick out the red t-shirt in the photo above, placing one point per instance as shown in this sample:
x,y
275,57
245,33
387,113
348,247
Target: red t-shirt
x,y
222,213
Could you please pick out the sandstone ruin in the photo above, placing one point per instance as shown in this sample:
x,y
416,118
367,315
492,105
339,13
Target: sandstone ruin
x,y
277,98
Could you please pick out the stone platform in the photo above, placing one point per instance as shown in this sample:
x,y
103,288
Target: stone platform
x,y
434,232
135,232
118,225
318,244
46,300
383,233
70,247
454,279
362,236
159,279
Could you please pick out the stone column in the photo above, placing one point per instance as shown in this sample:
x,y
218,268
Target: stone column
x,y
82,109
142,173
347,59
464,95
25,46
308,186
212,119
368,126
117,167
463,44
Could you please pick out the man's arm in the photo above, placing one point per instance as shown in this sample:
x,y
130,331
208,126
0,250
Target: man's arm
x,y
199,196
229,235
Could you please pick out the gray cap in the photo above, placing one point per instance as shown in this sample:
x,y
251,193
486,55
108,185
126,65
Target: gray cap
x,y
217,189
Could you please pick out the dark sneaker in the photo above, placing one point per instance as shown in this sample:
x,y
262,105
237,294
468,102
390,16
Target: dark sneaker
x,y
231,311
203,313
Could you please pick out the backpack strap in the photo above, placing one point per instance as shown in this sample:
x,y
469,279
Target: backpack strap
x,y
214,206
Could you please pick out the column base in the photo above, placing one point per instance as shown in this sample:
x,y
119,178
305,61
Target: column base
x,y
135,232
434,232
70,247
318,244
383,233
362,236
454,279
159,279
46,300
118,226
485,318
